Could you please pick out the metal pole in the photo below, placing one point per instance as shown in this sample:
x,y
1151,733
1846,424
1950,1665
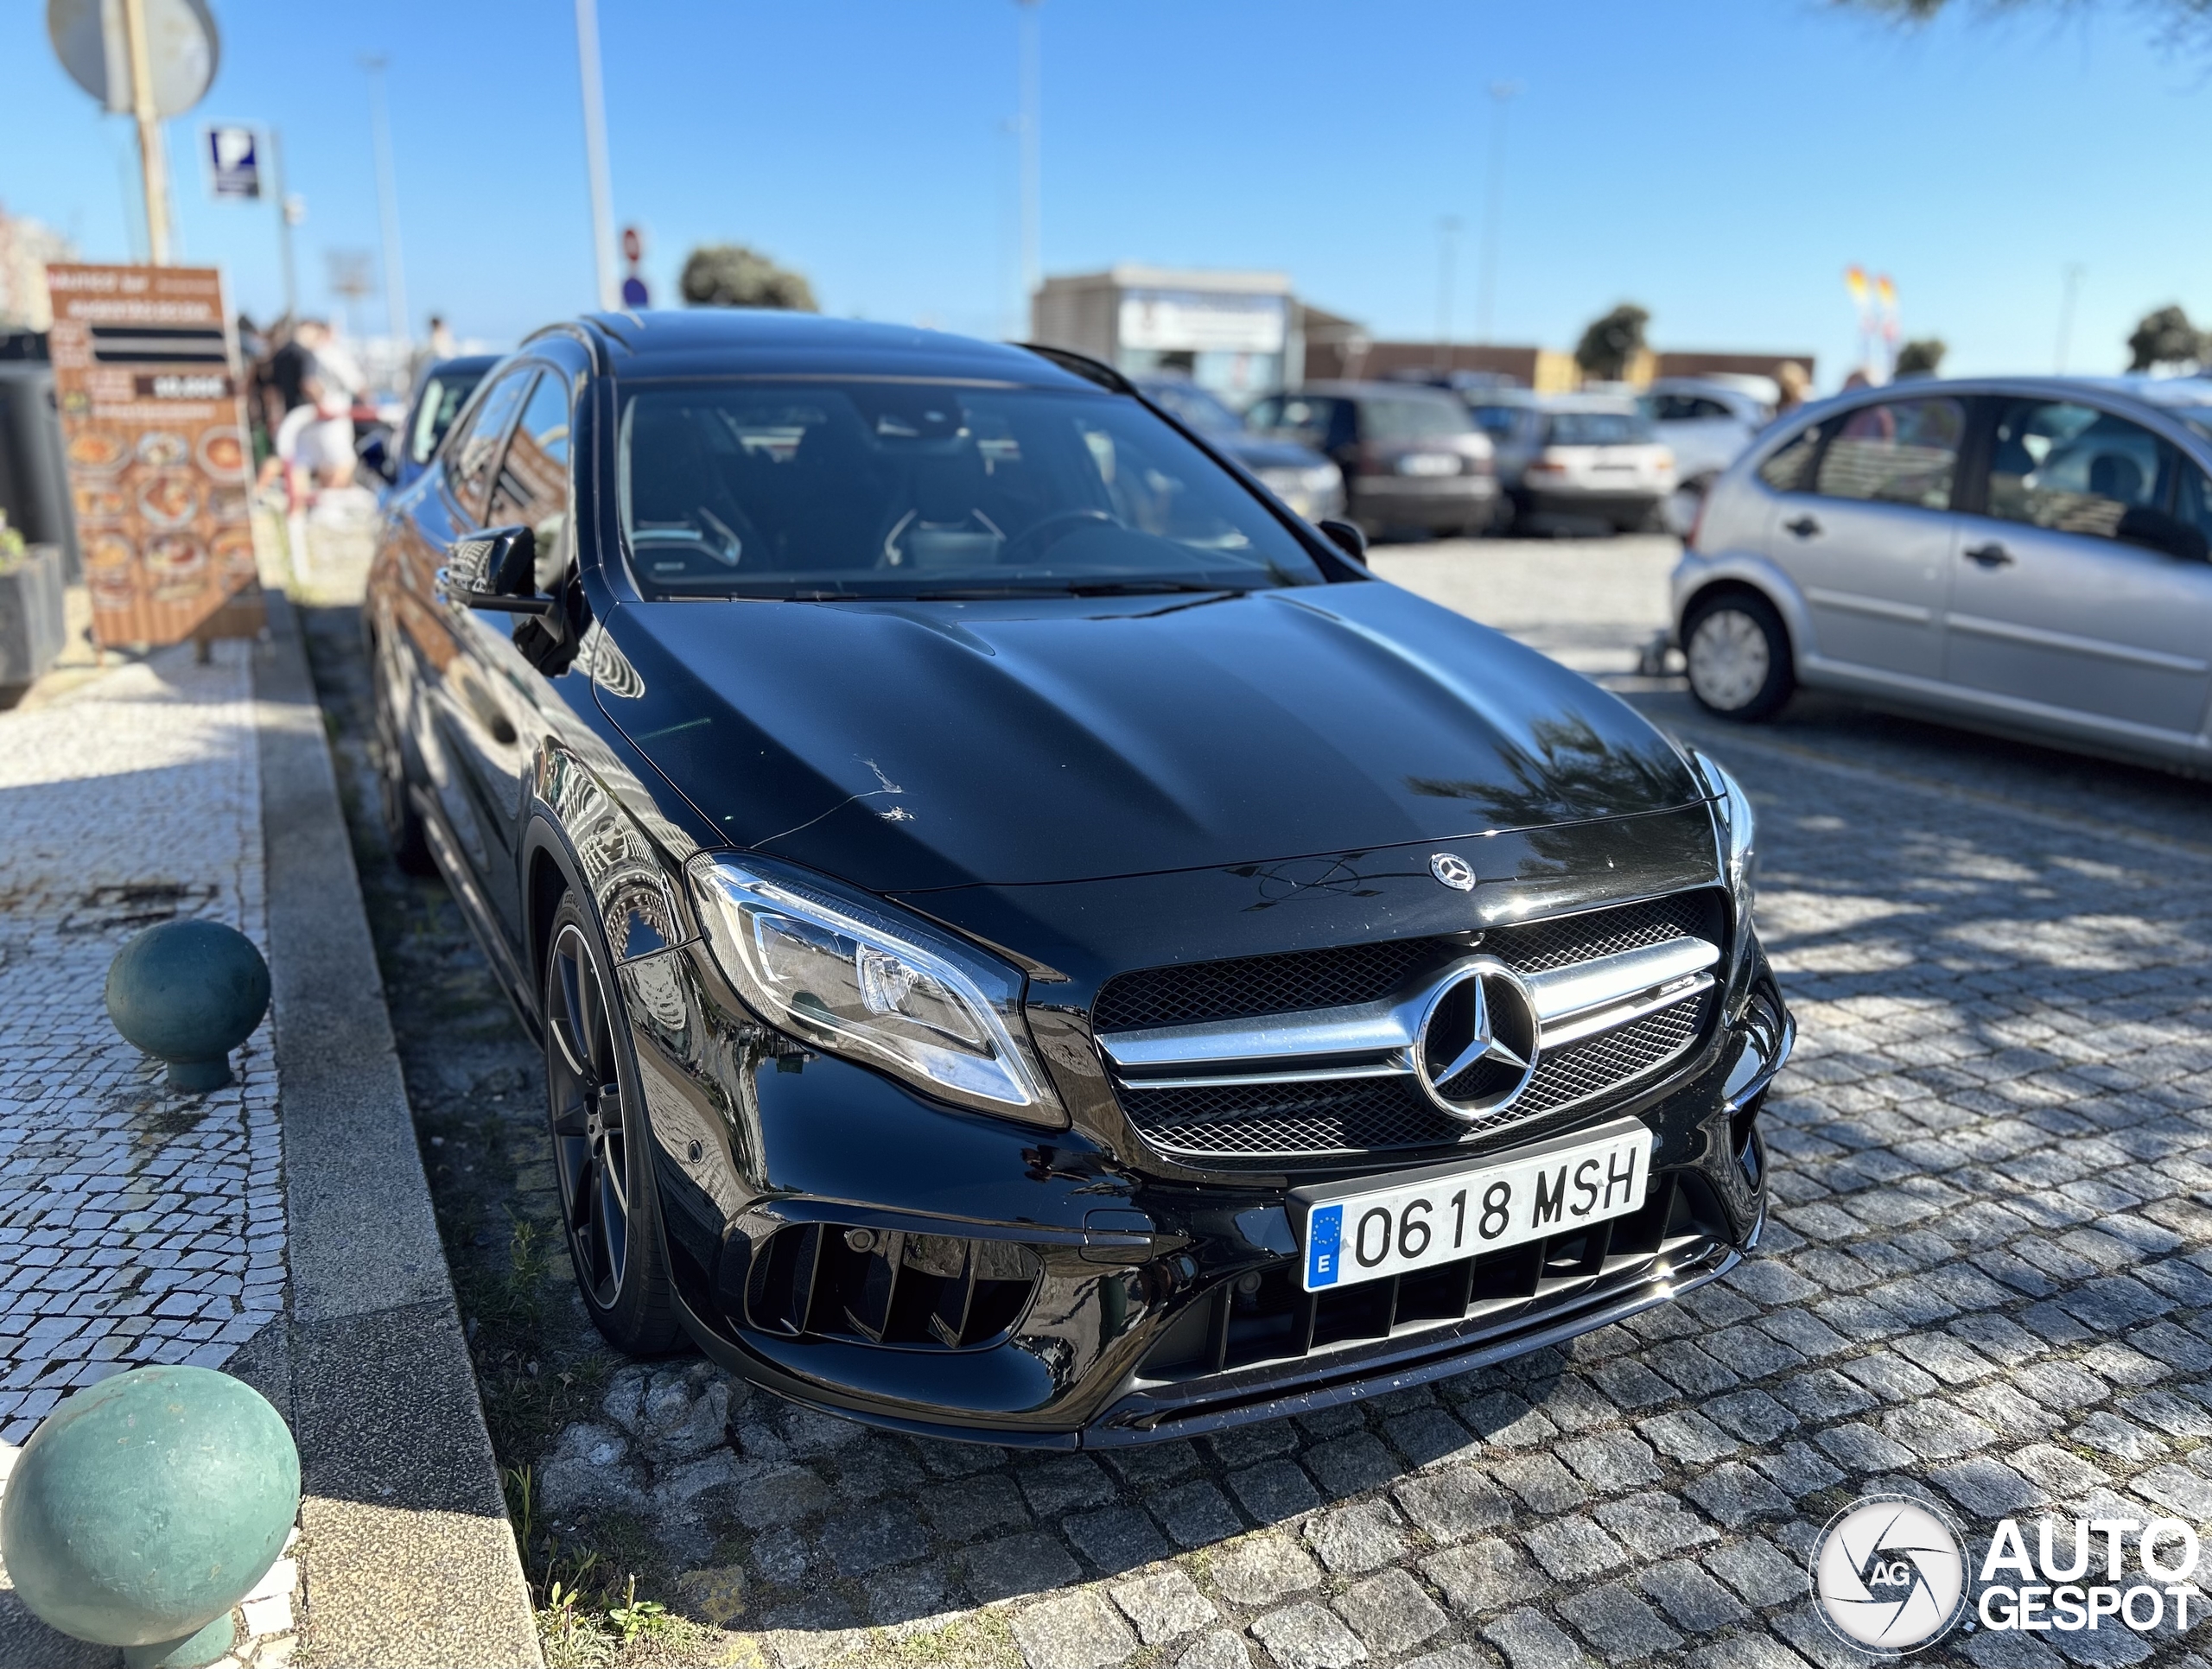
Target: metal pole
x,y
1502,93
1447,232
395,272
602,205
2072,288
283,224
153,163
1033,262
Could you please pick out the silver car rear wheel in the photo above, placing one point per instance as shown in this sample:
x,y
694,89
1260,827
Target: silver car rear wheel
x,y
1738,657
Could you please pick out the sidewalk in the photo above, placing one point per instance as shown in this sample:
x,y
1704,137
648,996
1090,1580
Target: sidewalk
x,y
279,1229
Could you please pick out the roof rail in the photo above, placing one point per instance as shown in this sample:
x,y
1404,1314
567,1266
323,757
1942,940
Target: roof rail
x,y
1083,366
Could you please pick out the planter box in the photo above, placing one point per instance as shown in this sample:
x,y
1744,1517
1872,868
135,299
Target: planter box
x,y
32,625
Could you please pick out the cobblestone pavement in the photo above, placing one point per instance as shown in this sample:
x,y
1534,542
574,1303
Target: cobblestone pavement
x,y
136,1225
1987,1282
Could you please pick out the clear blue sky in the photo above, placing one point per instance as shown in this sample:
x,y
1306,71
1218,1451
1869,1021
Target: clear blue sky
x,y
1718,161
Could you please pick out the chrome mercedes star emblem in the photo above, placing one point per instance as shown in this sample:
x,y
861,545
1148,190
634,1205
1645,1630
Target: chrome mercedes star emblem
x,y
1477,1049
1454,871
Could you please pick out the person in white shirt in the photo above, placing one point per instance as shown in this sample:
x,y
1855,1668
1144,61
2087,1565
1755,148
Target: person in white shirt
x,y
316,440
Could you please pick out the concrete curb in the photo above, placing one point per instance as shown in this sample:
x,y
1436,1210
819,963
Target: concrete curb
x,y
406,1549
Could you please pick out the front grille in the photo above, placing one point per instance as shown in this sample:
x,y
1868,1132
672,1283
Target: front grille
x,y
1278,1322
1355,1115
1198,992
1323,1117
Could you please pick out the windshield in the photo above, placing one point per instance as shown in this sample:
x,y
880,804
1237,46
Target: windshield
x,y
1600,428
1195,406
814,490
443,395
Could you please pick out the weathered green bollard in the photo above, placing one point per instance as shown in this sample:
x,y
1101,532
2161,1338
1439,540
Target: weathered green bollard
x,y
188,992
146,1506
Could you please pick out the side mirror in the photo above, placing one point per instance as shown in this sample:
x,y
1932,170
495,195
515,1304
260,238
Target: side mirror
x,y
496,569
1346,537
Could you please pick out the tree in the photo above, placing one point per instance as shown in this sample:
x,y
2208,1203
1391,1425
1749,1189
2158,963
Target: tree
x,y
2165,337
732,276
1921,357
1611,342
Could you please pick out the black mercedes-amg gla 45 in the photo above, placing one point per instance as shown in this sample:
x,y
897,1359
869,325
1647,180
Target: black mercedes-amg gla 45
x,y
1032,942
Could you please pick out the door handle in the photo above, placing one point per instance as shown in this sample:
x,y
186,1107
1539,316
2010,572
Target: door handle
x,y
1804,527
1991,555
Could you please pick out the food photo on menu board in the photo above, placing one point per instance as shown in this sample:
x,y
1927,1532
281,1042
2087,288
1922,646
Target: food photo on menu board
x,y
155,440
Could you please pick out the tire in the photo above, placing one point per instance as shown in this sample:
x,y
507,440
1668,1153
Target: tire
x,y
1738,652
403,823
602,1156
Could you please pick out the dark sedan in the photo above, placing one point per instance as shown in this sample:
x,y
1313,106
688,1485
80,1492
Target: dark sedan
x,y
1412,458
1031,941
399,455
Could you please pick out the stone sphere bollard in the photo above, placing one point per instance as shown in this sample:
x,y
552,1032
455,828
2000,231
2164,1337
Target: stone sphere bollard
x,y
188,992
145,1507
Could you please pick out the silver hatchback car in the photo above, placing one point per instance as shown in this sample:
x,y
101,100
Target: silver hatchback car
x,y
2027,555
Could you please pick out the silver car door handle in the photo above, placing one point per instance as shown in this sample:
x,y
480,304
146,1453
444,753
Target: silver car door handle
x,y
1804,527
1991,555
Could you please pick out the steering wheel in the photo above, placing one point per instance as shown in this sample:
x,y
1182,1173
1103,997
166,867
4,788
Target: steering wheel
x,y
1049,532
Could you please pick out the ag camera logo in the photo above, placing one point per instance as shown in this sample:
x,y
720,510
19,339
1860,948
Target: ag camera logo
x,y
1890,1575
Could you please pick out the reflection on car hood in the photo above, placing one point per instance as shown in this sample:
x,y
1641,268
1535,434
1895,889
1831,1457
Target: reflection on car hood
x,y
907,745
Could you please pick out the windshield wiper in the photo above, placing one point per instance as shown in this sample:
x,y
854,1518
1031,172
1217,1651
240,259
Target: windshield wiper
x,y
1146,588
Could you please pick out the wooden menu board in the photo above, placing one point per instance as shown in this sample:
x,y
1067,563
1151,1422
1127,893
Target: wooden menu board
x,y
155,433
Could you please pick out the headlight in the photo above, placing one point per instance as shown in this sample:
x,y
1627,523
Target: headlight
x,y
874,986
1321,479
1737,826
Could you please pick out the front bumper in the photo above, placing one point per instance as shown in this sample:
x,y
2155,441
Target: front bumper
x,y
850,1245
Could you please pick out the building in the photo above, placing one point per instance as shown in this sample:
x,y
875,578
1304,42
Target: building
x,y
1232,331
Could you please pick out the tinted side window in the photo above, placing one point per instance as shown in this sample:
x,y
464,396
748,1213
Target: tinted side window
x,y
2193,503
2076,470
1901,452
532,484
1791,469
441,404
471,453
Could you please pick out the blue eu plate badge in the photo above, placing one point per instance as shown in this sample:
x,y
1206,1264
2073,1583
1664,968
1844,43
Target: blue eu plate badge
x,y
1324,1233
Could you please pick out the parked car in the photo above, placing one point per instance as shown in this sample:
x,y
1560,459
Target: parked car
x,y
1294,472
1594,458
1705,424
396,454
1412,458
1031,942
2022,555
1513,419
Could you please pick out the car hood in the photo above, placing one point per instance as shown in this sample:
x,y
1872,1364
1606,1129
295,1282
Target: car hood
x,y
909,746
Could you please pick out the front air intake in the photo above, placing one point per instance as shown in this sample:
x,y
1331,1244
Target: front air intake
x,y
889,1286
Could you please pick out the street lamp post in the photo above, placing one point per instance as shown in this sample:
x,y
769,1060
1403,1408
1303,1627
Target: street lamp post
x,y
1447,236
1502,94
395,276
2069,293
602,193
1032,264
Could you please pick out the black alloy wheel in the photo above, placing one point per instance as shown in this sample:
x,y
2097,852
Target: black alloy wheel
x,y
599,1147
1738,653
403,823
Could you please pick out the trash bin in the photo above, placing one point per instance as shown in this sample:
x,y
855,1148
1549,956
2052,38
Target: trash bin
x,y
32,624
34,477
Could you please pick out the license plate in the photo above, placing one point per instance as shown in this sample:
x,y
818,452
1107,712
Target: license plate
x,y
1363,1231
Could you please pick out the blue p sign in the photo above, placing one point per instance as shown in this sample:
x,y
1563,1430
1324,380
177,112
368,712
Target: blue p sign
x,y
234,164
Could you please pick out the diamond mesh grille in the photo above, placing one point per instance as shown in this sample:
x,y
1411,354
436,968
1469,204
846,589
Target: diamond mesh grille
x,y
1198,992
1532,947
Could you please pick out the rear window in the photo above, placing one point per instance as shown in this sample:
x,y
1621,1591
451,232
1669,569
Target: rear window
x,y
1389,420
1499,422
1600,428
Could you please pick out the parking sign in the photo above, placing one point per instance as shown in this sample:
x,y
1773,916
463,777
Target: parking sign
x,y
234,163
